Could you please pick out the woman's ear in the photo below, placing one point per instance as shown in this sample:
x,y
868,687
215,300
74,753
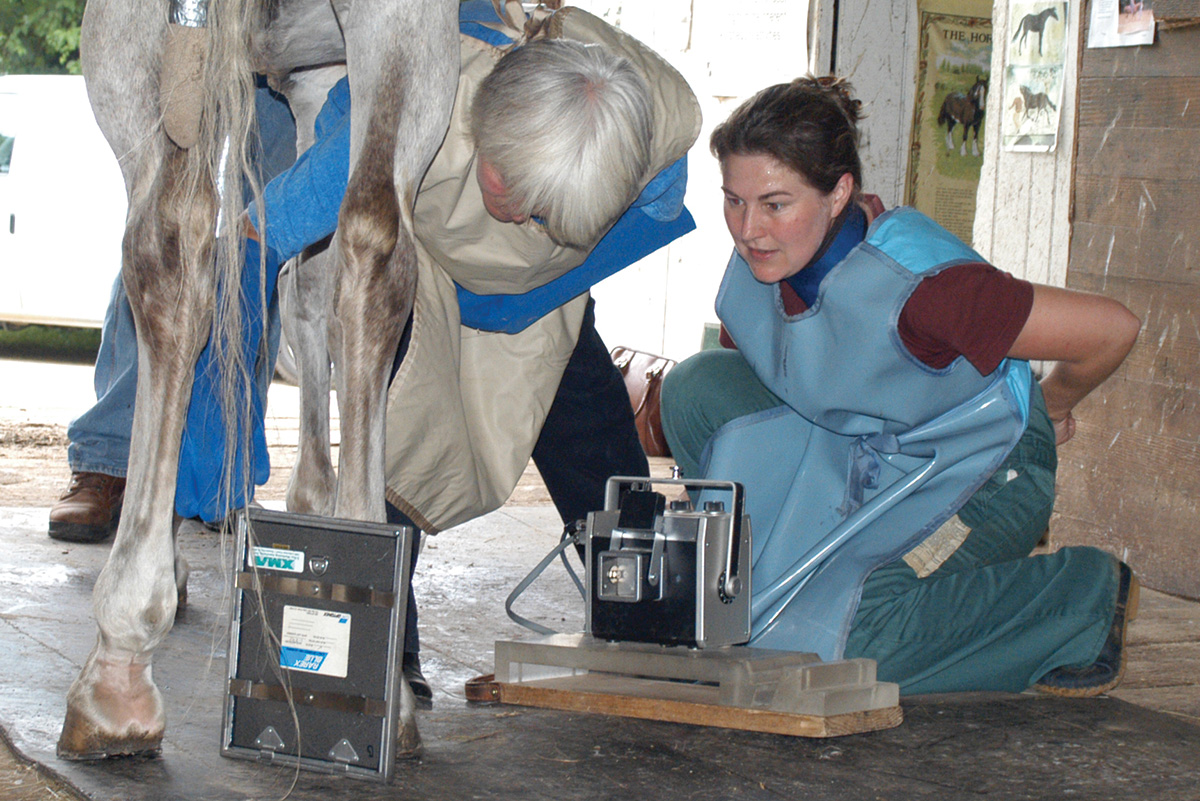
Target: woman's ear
x,y
842,192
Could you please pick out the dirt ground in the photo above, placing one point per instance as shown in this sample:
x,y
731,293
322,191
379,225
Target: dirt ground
x,y
33,462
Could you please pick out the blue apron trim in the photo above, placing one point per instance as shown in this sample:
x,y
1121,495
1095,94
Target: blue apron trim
x,y
633,237
916,242
474,12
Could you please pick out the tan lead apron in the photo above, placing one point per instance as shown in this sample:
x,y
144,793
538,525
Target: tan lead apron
x,y
466,406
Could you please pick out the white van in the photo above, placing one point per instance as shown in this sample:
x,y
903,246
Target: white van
x,y
62,204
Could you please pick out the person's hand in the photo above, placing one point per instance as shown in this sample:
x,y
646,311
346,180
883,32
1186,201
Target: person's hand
x,y
1064,429
248,229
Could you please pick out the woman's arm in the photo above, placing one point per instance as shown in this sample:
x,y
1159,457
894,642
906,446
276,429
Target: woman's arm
x,y
1087,335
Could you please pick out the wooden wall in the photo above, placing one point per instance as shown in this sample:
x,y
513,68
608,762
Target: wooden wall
x,y
1130,482
1023,205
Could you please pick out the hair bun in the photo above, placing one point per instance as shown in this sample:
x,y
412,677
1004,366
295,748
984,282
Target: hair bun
x,y
840,91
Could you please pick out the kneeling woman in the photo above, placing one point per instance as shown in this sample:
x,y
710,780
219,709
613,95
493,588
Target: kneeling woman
x,y
898,458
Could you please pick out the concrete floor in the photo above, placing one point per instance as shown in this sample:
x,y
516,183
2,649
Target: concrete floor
x,y
1141,743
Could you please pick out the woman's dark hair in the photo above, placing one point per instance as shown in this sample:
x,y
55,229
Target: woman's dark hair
x,y
809,125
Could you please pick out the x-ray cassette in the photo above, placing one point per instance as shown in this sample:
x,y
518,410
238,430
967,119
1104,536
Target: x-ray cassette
x,y
316,641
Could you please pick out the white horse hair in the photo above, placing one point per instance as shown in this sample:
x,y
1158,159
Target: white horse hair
x,y
402,59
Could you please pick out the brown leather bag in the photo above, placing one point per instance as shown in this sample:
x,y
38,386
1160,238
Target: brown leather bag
x,y
644,374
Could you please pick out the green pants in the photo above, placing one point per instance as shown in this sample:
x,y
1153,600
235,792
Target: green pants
x,y
991,617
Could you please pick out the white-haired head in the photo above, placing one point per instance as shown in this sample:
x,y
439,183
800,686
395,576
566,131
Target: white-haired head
x,y
568,127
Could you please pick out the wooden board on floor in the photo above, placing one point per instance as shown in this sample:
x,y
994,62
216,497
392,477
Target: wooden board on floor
x,y
674,702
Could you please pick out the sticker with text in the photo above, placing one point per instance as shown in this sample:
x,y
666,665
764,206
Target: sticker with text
x,y
315,641
278,559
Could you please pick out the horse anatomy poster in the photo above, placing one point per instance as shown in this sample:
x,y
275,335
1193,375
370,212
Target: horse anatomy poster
x,y
1033,85
946,152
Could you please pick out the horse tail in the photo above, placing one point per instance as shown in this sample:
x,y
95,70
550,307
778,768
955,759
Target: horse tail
x,y
227,123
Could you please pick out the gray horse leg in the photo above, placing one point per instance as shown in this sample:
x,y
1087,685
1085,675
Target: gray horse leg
x,y
403,61
403,86
113,707
306,298
305,291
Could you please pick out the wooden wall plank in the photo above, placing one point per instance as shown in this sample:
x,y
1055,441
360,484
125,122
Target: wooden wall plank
x,y
1168,348
1174,53
1136,201
876,43
1153,102
1124,482
1154,153
1176,9
1169,254
1023,206
1130,480
1155,409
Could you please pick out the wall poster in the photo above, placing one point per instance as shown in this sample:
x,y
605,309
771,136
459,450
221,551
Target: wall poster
x,y
1033,85
1120,23
946,152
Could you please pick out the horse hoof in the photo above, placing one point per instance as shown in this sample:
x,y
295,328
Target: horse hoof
x,y
408,743
182,572
82,740
113,710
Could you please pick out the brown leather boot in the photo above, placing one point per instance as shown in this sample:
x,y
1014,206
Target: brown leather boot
x,y
89,510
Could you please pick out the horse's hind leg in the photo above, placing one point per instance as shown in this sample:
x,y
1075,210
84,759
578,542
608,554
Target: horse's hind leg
x,y
305,300
403,60
113,707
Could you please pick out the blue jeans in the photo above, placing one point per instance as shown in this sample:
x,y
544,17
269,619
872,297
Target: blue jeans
x,y
100,436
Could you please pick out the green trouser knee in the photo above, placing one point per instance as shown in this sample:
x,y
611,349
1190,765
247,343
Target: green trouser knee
x,y
992,617
703,393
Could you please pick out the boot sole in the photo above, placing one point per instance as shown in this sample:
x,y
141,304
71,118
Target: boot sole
x,y
81,532
1131,610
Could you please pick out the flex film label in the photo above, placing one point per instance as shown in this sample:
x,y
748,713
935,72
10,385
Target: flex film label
x,y
315,641
278,559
